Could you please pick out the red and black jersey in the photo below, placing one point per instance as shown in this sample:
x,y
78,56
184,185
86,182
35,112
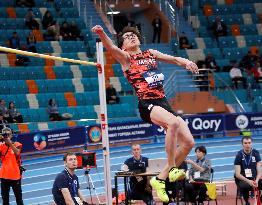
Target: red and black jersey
x,y
144,76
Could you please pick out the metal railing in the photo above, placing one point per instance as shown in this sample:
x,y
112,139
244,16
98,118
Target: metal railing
x,y
175,83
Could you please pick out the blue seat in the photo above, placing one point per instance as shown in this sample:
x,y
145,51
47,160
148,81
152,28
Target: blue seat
x,y
117,68
69,13
63,72
87,84
227,41
94,83
64,3
88,71
80,99
7,3
3,13
222,80
248,29
216,53
68,85
43,115
126,87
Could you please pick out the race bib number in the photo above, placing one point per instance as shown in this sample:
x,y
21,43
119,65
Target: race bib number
x,y
154,78
196,175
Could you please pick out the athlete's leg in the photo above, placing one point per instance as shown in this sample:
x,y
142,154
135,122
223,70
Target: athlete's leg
x,y
185,141
162,117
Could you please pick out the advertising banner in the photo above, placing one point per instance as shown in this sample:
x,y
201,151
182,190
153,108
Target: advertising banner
x,y
243,121
199,124
119,131
50,139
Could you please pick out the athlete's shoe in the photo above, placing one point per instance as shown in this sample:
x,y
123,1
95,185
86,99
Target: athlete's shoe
x,y
176,174
160,188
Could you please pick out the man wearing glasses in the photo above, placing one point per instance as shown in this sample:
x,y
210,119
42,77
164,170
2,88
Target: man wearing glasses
x,y
141,70
10,170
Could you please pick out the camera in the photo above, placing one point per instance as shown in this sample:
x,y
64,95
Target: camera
x,y
5,133
86,160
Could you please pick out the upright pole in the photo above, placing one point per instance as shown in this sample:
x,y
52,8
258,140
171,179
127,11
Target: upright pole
x,y
104,125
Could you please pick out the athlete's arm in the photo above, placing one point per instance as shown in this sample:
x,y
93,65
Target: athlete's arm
x,y
189,65
240,176
258,171
67,196
121,56
81,196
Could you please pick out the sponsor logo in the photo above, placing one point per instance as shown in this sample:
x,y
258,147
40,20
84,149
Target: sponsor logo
x,y
201,124
242,121
95,134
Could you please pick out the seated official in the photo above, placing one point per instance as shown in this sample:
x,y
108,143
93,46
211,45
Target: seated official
x,y
139,186
173,188
66,188
247,169
200,171
111,94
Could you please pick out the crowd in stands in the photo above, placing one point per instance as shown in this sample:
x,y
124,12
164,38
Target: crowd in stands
x,y
239,69
52,29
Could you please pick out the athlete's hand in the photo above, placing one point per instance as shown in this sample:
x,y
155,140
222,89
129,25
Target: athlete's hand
x,y
192,67
97,29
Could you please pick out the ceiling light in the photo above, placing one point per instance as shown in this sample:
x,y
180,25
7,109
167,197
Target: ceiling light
x,y
136,5
113,12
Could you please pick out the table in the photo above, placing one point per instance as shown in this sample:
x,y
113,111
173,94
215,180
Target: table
x,y
125,175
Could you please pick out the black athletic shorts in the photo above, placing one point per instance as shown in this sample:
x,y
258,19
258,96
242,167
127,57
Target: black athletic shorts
x,y
145,107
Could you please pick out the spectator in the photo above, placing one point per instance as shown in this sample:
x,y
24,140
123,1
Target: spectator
x,y
200,171
30,21
66,188
14,115
219,28
111,94
3,122
211,63
65,32
52,34
247,169
183,42
3,109
75,32
25,3
157,28
53,111
48,20
10,173
236,76
14,41
31,42
248,61
139,186
256,71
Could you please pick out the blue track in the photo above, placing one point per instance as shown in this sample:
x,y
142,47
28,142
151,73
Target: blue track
x,y
40,174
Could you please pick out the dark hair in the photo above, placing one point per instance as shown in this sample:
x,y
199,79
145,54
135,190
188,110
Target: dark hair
x,y
50,101
201,149
68,154
127,29
9,106
246,138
